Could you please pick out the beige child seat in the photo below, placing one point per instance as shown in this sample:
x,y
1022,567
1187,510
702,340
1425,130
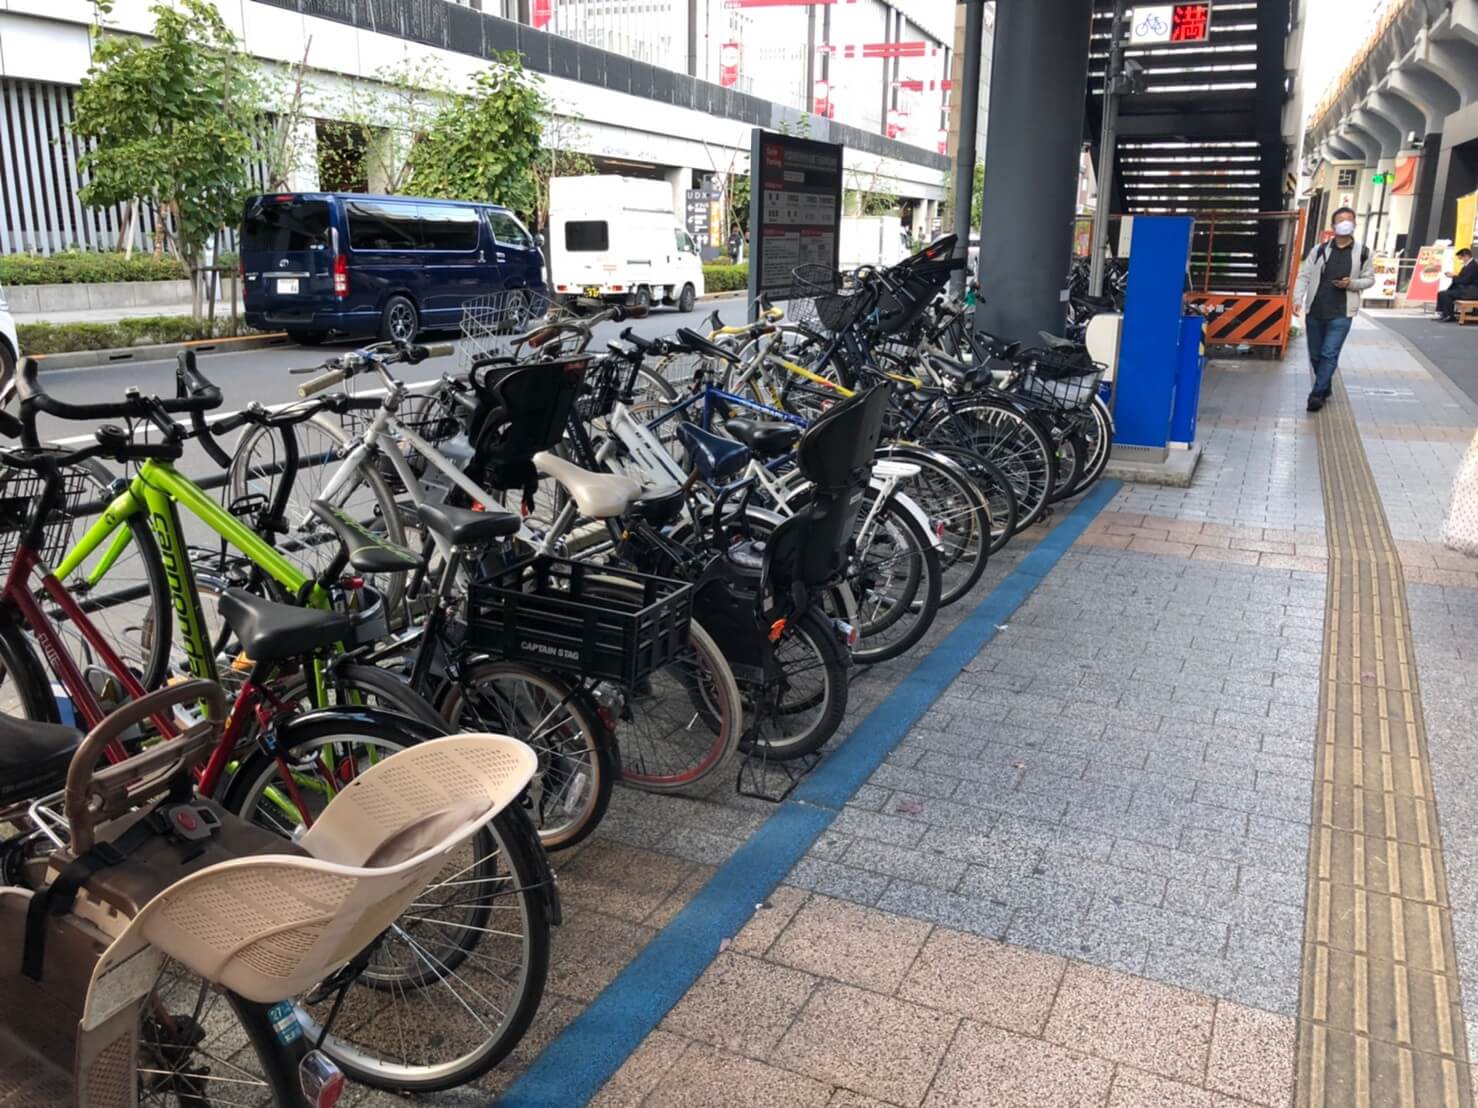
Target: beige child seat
x,y
270,927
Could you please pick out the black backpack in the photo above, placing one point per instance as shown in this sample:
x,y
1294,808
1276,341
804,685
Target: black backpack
x,y
1322,254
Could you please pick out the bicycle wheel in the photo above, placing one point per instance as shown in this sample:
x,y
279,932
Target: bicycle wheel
x,y
1070,455
190,1051
958,515
1008,438
895,580
681,723
1098,433
577,765
123,592
799,707
450,987
256,472
25,684
992,485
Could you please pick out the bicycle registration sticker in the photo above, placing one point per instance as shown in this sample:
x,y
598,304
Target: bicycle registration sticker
x,y
284,1019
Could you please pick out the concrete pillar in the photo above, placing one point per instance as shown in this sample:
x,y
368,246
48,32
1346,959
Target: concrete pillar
x,y
1405,115
302,159
1421,207
1033,150
1434,96
1449,63
681,180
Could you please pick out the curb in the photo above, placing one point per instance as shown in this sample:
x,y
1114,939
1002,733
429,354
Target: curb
x,y
78,359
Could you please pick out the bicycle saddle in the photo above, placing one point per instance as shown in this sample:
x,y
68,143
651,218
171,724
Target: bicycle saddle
x,y
715,457
597,495
464,527
270,631
367,551
34,758
1056,342
768,438
965,372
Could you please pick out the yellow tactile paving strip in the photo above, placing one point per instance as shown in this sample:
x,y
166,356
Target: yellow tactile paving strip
x,y
1380,1019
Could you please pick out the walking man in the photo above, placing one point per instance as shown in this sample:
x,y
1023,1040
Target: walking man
x,y
1328,295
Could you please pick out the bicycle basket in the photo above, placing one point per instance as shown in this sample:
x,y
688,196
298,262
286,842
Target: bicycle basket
x,y
1065,379
603,623
491,323
821,299
19,491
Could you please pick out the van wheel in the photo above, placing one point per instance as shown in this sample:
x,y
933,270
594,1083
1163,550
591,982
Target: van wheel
x,y
516,312
643,297
399,321
686,300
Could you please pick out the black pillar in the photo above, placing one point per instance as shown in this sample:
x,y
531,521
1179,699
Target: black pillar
x,y
1031,165
1457,175
1421,197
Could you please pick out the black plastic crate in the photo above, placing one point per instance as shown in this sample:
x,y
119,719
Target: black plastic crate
x,y
602,623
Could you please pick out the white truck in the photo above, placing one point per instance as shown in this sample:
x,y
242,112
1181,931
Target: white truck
x,y
872,240
617,238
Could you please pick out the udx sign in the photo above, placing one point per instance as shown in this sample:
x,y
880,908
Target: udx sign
x,y
1169,23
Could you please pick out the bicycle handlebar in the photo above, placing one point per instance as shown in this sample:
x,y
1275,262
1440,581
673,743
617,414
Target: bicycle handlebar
x,y
324,381
134,406
346,366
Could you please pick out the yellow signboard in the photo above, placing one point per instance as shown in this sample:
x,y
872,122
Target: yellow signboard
x,y
1467,214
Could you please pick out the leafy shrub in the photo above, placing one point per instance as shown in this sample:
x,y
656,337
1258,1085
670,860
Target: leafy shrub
x,y
725,278
77,267
62,338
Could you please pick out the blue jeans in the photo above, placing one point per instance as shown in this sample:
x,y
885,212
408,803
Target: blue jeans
x,y
1326,340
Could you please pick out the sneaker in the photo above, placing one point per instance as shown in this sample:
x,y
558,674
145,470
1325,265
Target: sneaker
x,y
1315,403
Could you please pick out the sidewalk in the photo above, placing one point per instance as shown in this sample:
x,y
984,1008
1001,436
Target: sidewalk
x,y
1156,825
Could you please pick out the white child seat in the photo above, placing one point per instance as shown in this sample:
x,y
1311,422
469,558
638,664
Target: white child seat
x,y
272,926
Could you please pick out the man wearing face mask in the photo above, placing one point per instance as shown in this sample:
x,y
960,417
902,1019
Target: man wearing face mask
x,y
1328,294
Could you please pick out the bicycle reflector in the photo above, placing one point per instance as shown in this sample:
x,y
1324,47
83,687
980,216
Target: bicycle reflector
x,y
777,629
321,1080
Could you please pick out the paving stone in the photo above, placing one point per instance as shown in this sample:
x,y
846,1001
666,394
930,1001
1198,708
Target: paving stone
x,y
830,846
1210,973
769,919
740,1004
993,767
913,781
985,980
876,825
1129,1019
1101,877
1135,1089
620,880
910,863
641,1072
964,913
834,879
1252,1055
1280,805
1016,803
990,1068
876,1045
871,798
1233,848
1282,886
1176,865
849,943
1071,935
708,1078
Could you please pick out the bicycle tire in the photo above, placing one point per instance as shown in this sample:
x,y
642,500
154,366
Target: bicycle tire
x,y
1069,456
1006,436
992,485
381,504
142,633
515,842
919,599
958,513
586,778
765,711
1099,434
25,684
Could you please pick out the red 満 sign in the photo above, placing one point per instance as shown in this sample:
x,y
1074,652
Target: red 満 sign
x,y
1190,23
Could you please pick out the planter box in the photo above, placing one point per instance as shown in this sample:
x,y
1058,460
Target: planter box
x,y
40,299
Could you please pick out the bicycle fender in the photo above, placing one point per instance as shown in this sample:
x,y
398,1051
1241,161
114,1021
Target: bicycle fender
x,y
303,724
910,505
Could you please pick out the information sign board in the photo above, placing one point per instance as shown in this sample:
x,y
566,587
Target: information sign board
x,y
795,209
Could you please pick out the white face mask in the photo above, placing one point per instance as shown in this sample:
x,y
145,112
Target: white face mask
x,y
1344,228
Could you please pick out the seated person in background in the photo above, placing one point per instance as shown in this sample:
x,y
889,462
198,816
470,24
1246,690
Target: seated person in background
x,y
1464,286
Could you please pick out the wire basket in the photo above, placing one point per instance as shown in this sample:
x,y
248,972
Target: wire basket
x,y
1064,379
821,299
603,623
491,324
19,491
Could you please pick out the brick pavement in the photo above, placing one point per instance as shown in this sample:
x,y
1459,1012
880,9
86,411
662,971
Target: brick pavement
x,y
1081,878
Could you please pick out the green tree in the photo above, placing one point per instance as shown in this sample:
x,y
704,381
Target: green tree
x,y
483,144
977,195
172,120
392,112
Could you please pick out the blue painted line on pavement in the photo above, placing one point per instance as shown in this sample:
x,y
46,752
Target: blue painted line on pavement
x,y
583,1057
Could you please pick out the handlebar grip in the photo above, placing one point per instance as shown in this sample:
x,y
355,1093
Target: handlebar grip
x,y
230,423
646,346
318,384
440,349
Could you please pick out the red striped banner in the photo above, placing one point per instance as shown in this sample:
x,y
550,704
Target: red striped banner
x,y
917,48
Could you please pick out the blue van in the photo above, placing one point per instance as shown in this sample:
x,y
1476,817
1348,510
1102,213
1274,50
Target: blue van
x,y
319,262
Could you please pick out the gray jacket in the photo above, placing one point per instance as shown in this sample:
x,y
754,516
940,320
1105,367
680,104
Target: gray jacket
x,y
1312,271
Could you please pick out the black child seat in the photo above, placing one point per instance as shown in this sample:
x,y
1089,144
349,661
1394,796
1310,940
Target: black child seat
x,y
34,758
715,457
270,632
768,438
521,411
811,548
465,527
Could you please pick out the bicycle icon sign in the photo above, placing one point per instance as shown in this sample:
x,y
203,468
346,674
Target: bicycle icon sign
x,y
1157,23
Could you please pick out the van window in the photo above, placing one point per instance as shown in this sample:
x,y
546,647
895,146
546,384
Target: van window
x,y
685,243
448,228
509,231
278,228
383,226
587,235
